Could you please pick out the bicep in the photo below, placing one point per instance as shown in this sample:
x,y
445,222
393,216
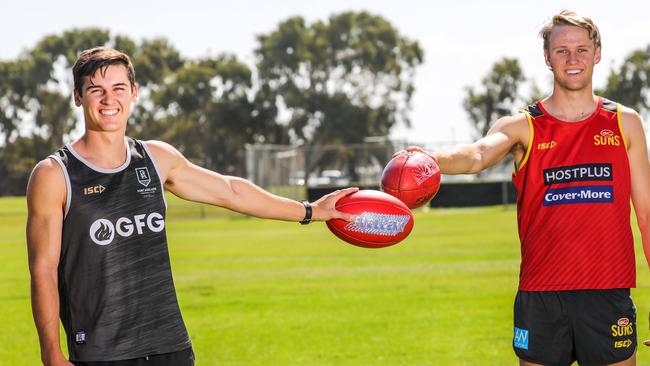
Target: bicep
x,y
507,135
639,174
45,205
194,183
639,164
187,180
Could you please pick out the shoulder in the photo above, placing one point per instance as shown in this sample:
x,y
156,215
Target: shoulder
x,y
161,149
47,170
515,127
518,120
629,115
632,126
164,153
47,182
631,121
167,157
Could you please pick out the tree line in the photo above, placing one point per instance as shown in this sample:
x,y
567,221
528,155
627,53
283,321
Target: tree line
x,y
333,81
336,81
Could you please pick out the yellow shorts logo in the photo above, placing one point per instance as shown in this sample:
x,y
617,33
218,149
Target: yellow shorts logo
x,y
623,344
618,331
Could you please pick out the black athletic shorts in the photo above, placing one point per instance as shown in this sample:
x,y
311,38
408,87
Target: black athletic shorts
x,y
180,358
593,327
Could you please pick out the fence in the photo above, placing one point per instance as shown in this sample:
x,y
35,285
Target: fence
x,y
299,171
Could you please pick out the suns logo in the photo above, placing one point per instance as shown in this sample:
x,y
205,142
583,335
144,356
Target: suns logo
x,y
607,137
623,327
424,170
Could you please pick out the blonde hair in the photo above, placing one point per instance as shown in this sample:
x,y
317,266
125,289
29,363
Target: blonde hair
x,y
568,17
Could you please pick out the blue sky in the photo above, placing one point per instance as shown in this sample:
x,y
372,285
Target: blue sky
x,y
461,39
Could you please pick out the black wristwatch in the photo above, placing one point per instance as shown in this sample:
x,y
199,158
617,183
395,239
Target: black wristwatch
x,y
308,210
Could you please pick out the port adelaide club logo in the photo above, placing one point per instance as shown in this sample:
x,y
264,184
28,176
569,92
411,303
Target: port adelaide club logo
x,y
144,178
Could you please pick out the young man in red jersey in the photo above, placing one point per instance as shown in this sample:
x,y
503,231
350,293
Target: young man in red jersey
x,y
579,158
96,229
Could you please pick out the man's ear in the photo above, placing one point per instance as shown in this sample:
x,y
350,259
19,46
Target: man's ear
x,y
597,55
77,98
134,97
548,62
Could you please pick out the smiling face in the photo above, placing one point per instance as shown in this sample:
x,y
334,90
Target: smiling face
x,y
106,98
571,54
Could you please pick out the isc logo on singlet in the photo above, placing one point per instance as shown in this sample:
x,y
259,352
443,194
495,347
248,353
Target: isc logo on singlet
x,y
102,231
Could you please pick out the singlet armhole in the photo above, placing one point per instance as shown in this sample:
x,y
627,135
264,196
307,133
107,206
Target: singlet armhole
x,y
155,165
68,187
520,165
619,117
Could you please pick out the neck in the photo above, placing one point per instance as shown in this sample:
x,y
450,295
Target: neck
x,y
571,106
105,150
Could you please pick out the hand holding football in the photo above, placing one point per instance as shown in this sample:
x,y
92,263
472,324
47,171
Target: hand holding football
x,y
413,177
381,219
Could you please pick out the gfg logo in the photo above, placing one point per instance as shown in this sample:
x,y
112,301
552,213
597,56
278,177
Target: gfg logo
x,y
102,231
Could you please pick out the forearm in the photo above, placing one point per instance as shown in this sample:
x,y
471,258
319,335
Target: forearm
x,y
645,239
247,198
45,309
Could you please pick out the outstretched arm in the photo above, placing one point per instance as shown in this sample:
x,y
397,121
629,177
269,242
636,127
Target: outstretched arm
x,y
191,182
45,202
507,135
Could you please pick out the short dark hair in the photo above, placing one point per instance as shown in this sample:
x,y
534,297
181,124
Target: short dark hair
x,y
568,17
99,58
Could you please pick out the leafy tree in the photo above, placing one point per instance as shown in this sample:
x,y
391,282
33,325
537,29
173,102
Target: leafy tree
x,y
498,95
630,84
341,80
35,106
338,81
205,109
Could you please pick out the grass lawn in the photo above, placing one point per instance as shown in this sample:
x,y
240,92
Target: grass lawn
x,y
257,292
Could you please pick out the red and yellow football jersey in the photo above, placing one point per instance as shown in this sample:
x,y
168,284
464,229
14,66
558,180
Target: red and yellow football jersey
x,y
573,205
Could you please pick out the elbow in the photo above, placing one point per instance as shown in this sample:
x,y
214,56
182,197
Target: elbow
x,y
42,270
231,196
476,164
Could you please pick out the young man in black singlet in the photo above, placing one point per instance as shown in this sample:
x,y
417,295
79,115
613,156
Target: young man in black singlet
x,y
96,229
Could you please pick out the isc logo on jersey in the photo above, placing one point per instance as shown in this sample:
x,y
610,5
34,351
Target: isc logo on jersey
x,y
607,137
102,231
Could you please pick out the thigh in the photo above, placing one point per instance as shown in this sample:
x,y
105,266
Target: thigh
x,y
542,333
604,323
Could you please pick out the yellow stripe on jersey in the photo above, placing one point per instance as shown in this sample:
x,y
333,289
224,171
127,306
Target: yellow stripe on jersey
x,y
530,143
619,109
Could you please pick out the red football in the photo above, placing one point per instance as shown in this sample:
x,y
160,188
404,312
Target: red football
x,y
413,177
382,219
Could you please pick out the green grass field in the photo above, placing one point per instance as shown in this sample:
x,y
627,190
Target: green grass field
x,y
257,292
